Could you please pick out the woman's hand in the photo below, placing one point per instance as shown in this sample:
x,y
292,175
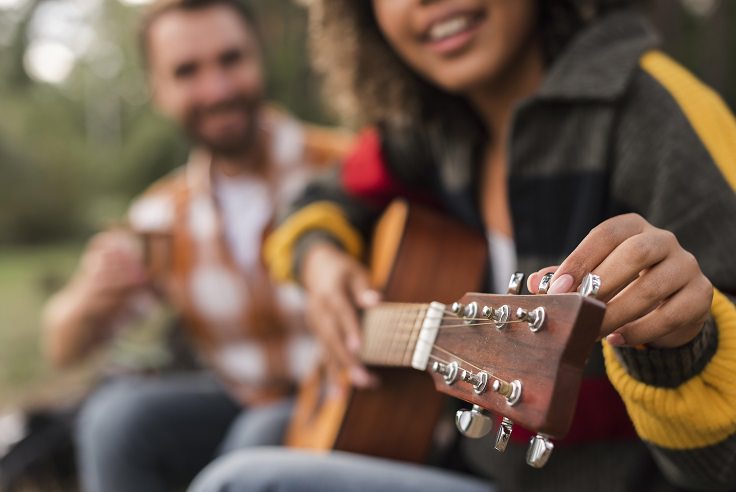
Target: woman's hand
x,y
654,289
337,286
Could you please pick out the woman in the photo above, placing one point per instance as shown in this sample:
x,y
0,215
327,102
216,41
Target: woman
x,y
557,129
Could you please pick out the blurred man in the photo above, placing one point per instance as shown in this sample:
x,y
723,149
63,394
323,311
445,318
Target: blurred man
x,y
196,244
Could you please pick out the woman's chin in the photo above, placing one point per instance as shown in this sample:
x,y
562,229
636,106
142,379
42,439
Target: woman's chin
x,y
461,85
462,78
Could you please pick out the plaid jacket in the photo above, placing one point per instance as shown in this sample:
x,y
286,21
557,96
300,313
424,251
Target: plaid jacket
x,y
616,127
244,326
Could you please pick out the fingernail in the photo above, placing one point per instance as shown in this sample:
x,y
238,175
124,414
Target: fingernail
x,y
353,344
369,297
616,339
359,377
561,285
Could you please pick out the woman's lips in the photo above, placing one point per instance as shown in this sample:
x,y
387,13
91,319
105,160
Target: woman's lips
x,y
453,33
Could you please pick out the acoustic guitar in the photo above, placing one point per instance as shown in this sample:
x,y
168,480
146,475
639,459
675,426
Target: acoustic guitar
x,y
518,356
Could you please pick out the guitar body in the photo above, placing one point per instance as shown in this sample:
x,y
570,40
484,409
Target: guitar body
x,y
417,256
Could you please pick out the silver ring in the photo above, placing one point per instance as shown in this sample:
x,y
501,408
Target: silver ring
x,y
590,285
544,284
515,284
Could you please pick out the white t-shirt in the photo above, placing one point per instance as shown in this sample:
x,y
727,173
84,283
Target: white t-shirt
x,y
246,208
503,260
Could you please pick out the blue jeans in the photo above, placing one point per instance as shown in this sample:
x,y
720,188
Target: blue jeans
x,y
156,434
286,470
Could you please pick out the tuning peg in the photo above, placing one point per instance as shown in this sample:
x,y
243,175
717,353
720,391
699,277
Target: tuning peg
x,y
470,313
504,434
511,391
457,308
535,318
515,284
540,449
448,371
479,381
499,316
474,423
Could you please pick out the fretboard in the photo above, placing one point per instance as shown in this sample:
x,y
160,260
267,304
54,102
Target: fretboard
x,y
390,333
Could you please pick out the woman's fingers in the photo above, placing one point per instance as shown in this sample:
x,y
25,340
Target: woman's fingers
x,y
654,289
337,285
326,326
348,322
644,295
673,323
341,332
632,257
596,247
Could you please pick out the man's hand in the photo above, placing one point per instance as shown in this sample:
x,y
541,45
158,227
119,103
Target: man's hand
x,y
654,289
77,318
110,269
337,286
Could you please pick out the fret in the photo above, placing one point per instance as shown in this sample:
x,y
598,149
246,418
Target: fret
x,y
390,333
396,335
411,340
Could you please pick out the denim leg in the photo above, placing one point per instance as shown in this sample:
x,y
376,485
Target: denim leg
x,y
264,425
285,470
151,434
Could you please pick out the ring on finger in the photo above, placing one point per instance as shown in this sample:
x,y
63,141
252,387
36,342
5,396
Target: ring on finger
x,y
590,285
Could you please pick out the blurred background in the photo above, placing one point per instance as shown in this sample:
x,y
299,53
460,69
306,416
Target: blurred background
x,y
78,138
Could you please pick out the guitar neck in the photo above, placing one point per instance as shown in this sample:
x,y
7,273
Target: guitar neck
x,y
396,334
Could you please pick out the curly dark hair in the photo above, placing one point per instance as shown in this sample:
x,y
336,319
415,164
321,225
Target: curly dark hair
x,y
366,81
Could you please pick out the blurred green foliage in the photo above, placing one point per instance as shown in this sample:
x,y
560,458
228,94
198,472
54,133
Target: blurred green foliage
x,y
27,276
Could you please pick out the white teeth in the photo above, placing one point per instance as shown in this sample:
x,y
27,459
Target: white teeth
x,y
449,27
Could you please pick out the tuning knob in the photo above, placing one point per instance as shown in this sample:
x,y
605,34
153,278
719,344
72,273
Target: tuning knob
x,y
540,449
535,318
515,284
504,434
474,423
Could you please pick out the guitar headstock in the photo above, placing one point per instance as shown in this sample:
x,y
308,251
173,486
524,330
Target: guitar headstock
x,y
520,356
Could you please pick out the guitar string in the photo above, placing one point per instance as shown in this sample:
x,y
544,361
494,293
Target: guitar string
x,y
408,329
465,320
439,359
424,310
485,323
464,324
479,369
417,310
460,359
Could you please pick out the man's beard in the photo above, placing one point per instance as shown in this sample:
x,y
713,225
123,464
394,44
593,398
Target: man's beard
x,y
234,145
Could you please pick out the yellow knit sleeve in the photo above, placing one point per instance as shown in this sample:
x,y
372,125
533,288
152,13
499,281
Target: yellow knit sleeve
x,y
319,216
701,411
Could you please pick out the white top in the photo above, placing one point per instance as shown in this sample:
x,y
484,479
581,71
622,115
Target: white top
x,y
246,208
503,260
